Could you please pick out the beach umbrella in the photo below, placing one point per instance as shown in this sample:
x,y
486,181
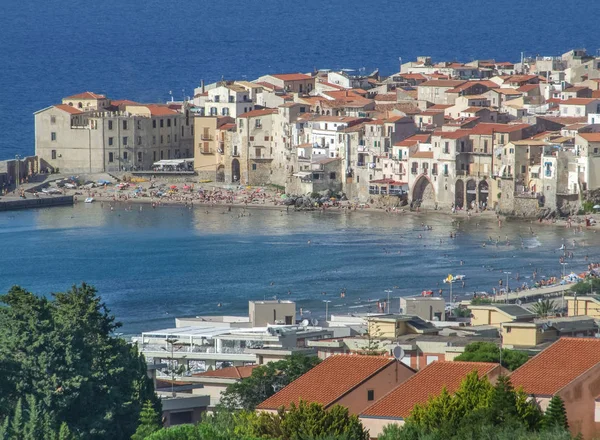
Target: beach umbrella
x,y
283,196
596,206
173,186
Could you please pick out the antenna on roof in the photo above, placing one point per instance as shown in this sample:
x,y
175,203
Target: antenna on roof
x,y
304,323
314,322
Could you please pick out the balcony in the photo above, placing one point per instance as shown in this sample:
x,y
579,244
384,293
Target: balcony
x,y
361,164
206,137
207,151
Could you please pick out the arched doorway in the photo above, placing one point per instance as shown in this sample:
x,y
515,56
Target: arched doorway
x,y
484,190
423,193
220,174
459,194
471,193
235,170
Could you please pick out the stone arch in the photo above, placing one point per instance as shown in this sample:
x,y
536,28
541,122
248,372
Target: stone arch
x,y
220,177
459,194
484,189
423,192
235,170
471,193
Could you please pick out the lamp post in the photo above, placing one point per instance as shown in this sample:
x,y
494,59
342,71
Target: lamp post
x,y
172,341
17,170
507,274
388,291
562,294
326,301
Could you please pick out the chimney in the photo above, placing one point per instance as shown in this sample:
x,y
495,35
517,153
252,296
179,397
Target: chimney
x,y
202,85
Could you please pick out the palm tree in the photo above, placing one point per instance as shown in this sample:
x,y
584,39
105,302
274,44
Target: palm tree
x,y
545,308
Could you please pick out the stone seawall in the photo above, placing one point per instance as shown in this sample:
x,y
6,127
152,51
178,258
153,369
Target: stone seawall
x,y
32,202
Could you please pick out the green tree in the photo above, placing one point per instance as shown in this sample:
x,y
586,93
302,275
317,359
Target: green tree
x,y
545,308
503,404
64,354
149,422
310,421
480,301
373,347
586,287
265,381
556,414
490,352
65,433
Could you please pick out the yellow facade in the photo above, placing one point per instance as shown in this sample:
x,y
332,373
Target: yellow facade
x,y
488,316
526,335
386,328
583,306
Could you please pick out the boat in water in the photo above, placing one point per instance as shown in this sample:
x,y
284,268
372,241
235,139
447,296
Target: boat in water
x,y
454,278
89,200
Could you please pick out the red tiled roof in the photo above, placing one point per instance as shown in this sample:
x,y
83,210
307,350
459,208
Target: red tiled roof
x,y
558,365
261,112
422,155
67,108
528,87
386,97
469,84
486,128
452,83
229,372
413,140
160,110
453,134
328,381
118,102
579,101
292,76
440,107
87,95
590,137
413,76
428,382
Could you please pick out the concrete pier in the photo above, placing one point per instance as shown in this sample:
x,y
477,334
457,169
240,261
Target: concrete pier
x,y
12,203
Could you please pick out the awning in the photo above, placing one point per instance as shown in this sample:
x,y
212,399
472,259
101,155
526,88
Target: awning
x,y
535,169
303,174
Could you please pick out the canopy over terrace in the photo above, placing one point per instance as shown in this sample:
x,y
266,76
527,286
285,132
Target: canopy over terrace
x,y
173,165
388,187
185,336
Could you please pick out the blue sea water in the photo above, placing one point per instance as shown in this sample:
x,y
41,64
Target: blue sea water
x,y
153,265
143,49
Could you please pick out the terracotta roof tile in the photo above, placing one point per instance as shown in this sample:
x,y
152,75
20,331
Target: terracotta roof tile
x,y
68,108
579,101
488,128
557,366
442,83
229,372
261,112
86,95
428,382
422,155
590,137
329,380
292,76
160,110
453,134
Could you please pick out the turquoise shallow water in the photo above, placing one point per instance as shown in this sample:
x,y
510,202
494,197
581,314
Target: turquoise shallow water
x,y
153,265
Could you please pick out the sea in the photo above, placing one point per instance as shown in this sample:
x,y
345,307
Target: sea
x,y
152,265
142,50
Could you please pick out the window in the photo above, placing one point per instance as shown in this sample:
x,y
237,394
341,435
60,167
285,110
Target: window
x,y
434,169
523,169
125,155
251,138
154,140
111,157
231,99
162,123
139,140
53,120
154,123
168,139
217,98
124,125
485,146
302,109
332,175
225,111
168,122
258,123
174,122
182,133
154,156
253,167
370,395
162,139
241,123
267,138
162,154
53,136
508,329
257,152
139,156
445,169
53,154
139,124
446,147
124,140
110,140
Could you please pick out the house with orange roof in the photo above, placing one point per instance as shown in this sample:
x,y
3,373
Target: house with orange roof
x,y
87,101
577,107
88,133
395,407
353,381
569,368
469,88
291,82
434,91
215,382
587,147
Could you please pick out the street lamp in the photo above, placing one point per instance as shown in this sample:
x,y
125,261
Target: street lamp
x,y
17,171
562,295
507,274
388,291
326,301
172,341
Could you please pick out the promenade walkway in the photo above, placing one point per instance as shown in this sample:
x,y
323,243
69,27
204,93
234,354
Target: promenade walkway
x,y
532,294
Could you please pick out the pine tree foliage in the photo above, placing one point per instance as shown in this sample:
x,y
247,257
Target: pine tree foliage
x,y
556,414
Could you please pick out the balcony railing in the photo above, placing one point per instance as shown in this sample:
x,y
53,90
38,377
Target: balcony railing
x,y
207,151
206,137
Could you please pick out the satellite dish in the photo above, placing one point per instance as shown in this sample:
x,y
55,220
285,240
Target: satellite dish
x,y
315,322
398,353
304,323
